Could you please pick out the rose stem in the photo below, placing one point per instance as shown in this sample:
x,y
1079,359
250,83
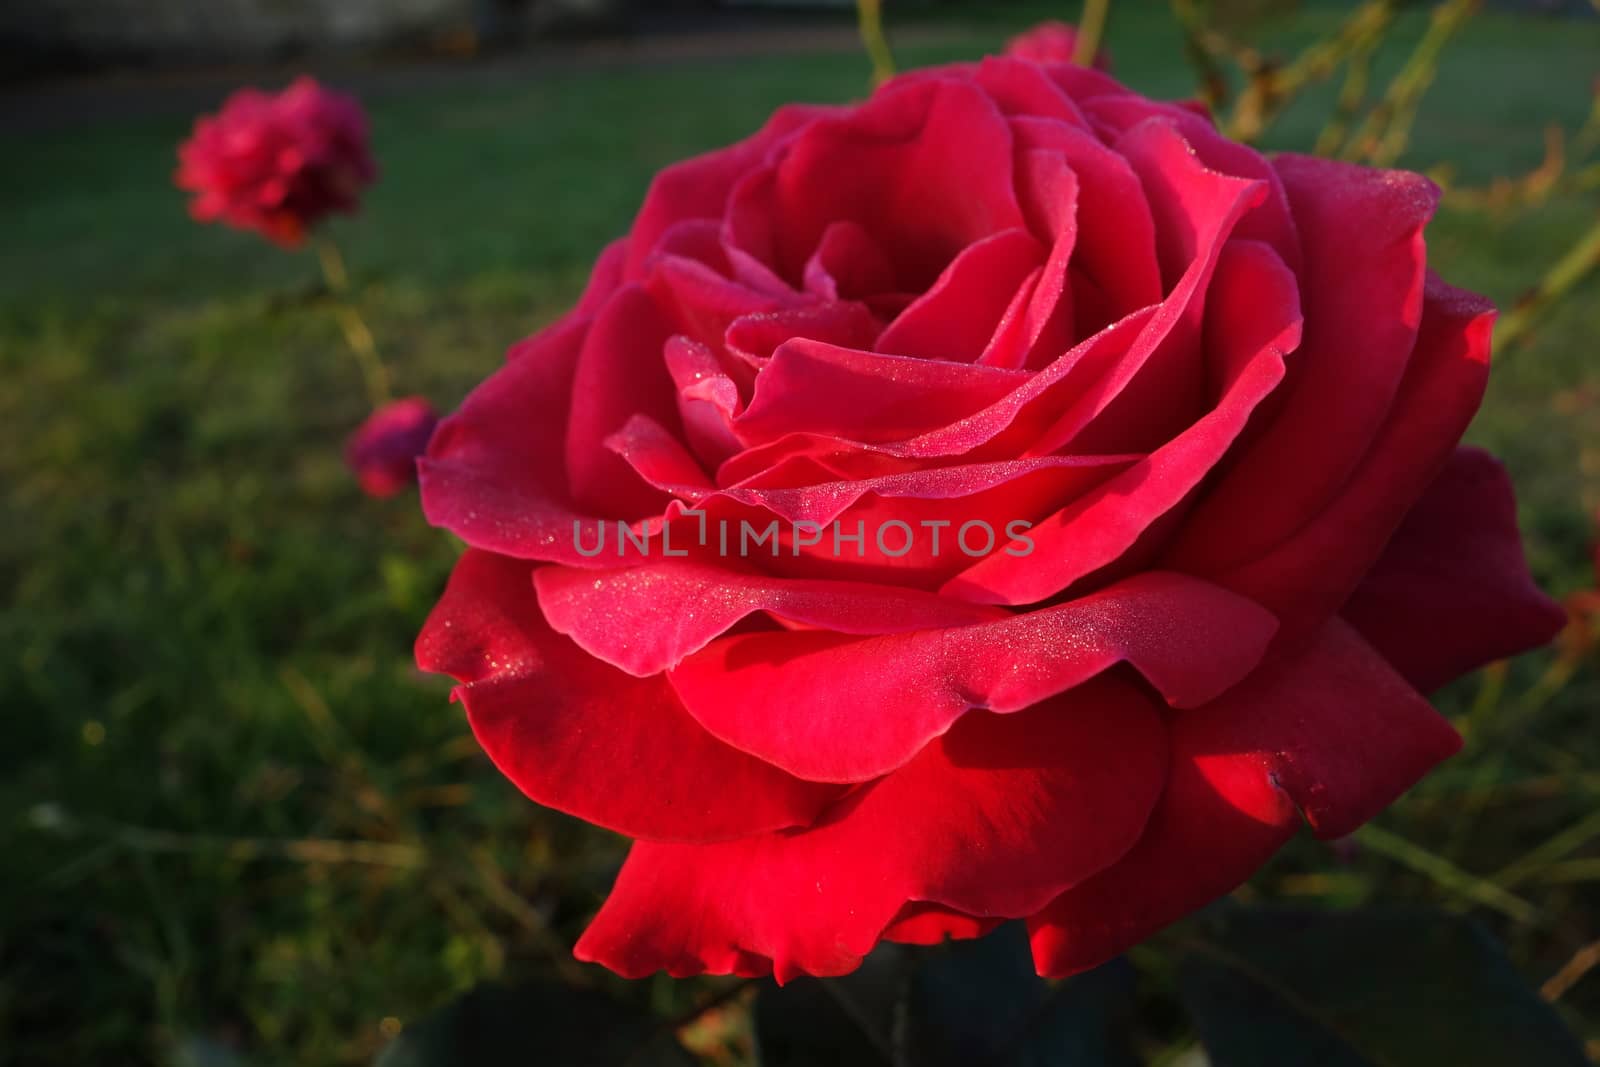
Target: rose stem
x,y
1091,27
356,333
869,17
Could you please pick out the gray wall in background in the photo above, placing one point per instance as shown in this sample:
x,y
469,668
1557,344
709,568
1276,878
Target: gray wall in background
x,y
224,28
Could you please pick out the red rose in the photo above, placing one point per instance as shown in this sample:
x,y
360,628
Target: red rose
x,y
1221,391
1052,41
277,164
383,451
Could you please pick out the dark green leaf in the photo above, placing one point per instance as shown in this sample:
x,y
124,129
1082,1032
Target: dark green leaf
x,y
1364,989
980,1002
532,1024
966,1004
836,1022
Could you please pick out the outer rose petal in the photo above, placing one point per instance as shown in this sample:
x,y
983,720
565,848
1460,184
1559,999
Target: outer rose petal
x,y
1332,730
829,707
1307,577
1219,819
494,473
993,820
1451,591
577,735
699,187
1362,286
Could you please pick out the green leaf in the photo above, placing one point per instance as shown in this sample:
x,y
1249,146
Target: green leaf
x,y
535,1023
980,1002
1364,989
835,1022
965,1004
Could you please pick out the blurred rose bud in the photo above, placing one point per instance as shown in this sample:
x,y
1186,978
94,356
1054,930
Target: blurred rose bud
x,y
383,451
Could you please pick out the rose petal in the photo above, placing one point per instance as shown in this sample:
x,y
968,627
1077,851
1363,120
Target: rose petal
x,y
620,373
660,458
1308,576
893,528
1331,729
818,388
921,923
807,497
1219,819
957,316
754,338
830,707
1159,381
1252,320
708,399
1451,591
848,264
916,166
494,473
1116,236
1007,425
699,188
577,735
646,619
1021,88
1362,286
702,303
1039,319
992,820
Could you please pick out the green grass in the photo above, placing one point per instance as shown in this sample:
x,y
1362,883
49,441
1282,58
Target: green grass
x,y
211,717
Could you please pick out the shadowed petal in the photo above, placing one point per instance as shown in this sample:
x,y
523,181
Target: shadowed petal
x,y
1451,591
1331,730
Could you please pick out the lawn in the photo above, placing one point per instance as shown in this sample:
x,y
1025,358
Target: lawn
x,y
237,823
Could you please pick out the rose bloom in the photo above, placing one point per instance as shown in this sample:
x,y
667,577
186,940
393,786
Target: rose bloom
x,y
384,449
277,163
1052,41
1224,389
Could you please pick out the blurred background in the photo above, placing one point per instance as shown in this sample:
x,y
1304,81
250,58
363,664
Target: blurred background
x,y
237,827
